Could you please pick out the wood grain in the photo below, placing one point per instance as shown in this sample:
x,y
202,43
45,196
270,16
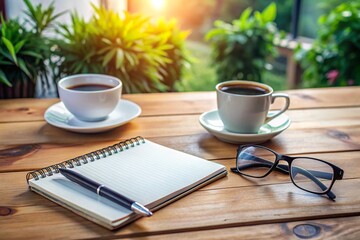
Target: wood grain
x,y
272,190
166,126
201,210
349,161
33,156
334,228
325,124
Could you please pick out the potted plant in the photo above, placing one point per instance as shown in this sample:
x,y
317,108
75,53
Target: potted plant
x,y
241,48
334,58
25,52
144,54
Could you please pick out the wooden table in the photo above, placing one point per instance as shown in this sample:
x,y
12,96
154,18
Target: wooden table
x,y
325,124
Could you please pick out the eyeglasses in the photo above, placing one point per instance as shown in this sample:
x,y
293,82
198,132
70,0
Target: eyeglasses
x,y
309,174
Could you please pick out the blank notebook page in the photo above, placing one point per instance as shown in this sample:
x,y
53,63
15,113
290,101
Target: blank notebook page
x,y
147,173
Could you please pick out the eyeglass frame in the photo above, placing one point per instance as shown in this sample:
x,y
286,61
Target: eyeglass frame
x,y
338,173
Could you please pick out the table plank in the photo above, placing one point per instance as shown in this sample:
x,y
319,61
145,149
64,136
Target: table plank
x,y
333,228
203,209
324,125
19,110
165,126
34,156
348,161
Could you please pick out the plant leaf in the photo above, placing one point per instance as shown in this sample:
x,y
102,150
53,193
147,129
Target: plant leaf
x,y
108,57
4,79
58,15
244,18
258,17
106,41
4,62
119,57
19,45
32,54
269,13
23,67
214,32
10,48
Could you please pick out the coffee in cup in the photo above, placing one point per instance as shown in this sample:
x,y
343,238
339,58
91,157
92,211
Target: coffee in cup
x,y
244,105
90,97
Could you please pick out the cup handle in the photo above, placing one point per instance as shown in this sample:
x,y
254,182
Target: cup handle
x,y
285,107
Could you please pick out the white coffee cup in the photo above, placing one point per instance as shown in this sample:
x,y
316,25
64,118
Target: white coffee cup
x,y
90,97
244,105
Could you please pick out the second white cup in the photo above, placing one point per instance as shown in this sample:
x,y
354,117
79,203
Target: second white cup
x,y
244,105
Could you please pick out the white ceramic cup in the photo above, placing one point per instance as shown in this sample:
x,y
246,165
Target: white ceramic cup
x,y
245,113
90,105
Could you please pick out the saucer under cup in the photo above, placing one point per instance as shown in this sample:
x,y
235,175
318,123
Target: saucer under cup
x,y
125,111
212,123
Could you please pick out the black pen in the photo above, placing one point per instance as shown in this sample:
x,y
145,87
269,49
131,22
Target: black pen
x,y
105,192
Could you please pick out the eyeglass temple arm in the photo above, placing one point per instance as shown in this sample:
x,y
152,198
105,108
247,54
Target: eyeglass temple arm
x,y
285,169
309,175
330,194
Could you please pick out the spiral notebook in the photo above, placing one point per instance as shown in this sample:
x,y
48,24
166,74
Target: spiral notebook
x,y
144,171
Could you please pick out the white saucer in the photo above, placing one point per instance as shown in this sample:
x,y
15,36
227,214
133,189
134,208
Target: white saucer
x,y
213,124
58,116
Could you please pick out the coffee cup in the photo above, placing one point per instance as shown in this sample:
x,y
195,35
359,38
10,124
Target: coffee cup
x,y
243,106
90,97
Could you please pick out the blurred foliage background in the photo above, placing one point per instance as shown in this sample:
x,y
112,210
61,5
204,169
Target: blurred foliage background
x,y
334,57
148,56
176,56
199,15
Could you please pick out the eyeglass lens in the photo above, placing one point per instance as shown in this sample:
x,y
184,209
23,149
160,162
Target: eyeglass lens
x,y
255,161
311,174
307,173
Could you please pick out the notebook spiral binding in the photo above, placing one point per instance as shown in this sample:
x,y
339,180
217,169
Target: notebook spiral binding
x,y
86,158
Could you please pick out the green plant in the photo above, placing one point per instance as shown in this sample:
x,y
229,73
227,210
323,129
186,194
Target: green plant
x,y
172,37
25,51
200,77
334,57
240,49
146,56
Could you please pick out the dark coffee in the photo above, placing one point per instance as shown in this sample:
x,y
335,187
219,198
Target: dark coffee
x,y
242,89
90,87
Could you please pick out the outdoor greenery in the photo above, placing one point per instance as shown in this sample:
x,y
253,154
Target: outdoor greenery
x,y
231,9
241,49
202,77
147,56
334,58
198,15
180,58
25,51
151,55
310,12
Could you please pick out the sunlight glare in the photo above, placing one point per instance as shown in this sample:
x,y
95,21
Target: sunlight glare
x,y
158,4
